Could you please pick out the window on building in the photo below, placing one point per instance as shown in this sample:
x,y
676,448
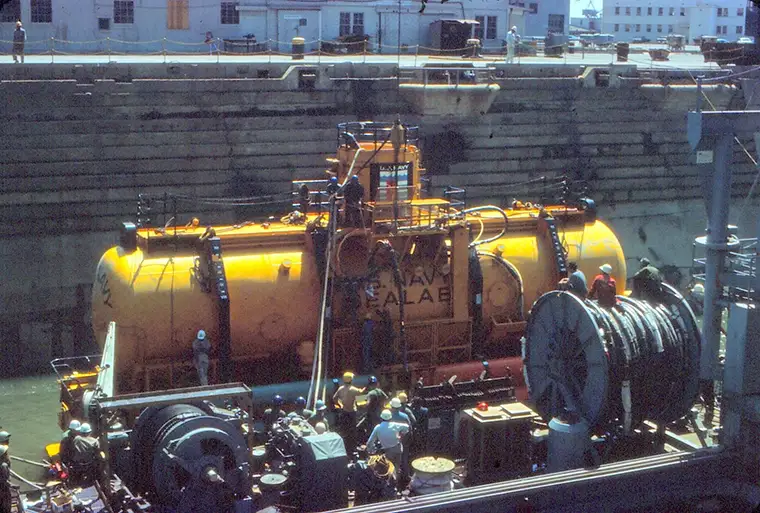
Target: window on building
x,y
230,14
660,11
123,11
683,11
649,28
42,11
345,24
649,11
672,11
638,11
670,29
638,27
351,23
739,29
104,23
557,23
627,11
480,27
617,11
177,17
627,27
659,28
617,27
10,12
740,11
358,28
491,27
533,8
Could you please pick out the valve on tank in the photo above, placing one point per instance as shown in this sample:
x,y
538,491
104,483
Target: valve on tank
x,y
189,459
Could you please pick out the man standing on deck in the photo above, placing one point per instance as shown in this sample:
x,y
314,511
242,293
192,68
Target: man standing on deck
x,y
647,282
512,40
388,435
66,450
85,456
376,400
19,40
345,399
575,282
603,288
201,348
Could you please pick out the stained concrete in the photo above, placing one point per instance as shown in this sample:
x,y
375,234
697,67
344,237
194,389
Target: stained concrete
x,y
78,151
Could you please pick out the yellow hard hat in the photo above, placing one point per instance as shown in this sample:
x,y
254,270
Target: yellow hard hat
x,y
348,377
403,397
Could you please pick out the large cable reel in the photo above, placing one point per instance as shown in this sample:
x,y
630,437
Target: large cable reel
x,y
636,361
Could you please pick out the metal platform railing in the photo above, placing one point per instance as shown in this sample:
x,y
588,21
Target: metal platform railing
x,y
739,275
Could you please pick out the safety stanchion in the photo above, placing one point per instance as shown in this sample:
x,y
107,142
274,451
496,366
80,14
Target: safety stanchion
x,y
218,42
163,48
108,48
52,50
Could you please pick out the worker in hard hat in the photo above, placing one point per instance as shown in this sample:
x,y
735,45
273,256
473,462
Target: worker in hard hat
x,y
344,400
319,415
512,40
201,349
85,456
6,495
66,449
398,414
388,436
353,193
274,413
603,288
376,400
405,408
332,186
647,282
301,409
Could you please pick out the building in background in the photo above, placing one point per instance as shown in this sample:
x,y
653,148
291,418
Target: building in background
x,y
181,25
629,19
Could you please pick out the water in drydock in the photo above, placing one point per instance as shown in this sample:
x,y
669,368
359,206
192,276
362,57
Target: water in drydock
x,y
28,410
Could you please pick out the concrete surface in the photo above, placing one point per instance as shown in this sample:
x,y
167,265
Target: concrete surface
x,y
683,60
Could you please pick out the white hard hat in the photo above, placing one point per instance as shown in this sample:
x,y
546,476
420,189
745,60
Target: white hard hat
x,y
320,427
606,268
75,425
201,334
386,415
514,27
85,429
395,402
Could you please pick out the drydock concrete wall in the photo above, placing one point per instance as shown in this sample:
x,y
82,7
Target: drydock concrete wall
x,y
80,144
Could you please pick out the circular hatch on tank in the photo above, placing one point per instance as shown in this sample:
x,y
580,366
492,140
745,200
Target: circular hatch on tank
x,y
352,255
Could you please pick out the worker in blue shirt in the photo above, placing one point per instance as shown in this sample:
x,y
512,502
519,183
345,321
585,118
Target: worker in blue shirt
x,y
388,434
398,414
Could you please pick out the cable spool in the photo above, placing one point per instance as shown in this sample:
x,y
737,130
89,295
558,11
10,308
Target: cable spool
x,y
622,365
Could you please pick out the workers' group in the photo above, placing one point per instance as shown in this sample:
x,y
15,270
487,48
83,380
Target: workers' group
x,y
646,284
80,452
390,422
390,428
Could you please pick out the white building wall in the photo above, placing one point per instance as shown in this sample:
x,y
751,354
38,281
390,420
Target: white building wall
x,y
537,23
275,20
627,19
